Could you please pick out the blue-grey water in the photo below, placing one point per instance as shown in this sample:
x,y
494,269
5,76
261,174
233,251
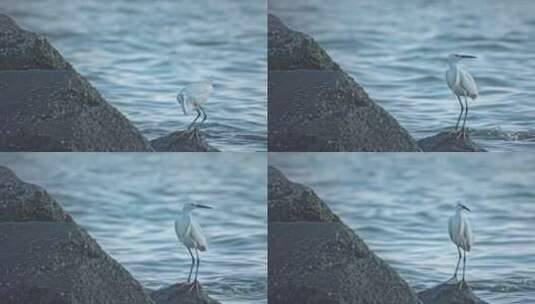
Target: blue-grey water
x,y
128,203
140,53
397,50
400,203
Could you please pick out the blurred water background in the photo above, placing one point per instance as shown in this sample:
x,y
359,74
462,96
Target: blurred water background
x,y
128,203
397,50
139,54
400,204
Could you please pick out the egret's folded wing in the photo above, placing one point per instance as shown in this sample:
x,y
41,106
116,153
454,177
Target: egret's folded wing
x,y
182,229
468,84
197,235
468,236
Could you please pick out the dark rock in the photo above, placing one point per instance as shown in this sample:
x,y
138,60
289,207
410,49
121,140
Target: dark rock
x,y
182,141
327,111
450,293
56,110
45,105
315,106
291,50
323,261
288,201
22,50
449,142
56,263
20,201
181,293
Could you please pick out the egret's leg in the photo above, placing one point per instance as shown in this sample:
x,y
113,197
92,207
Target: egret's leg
x,y
195,120
198,262
464,264
465,114
458,262
192,263
195,285
460,114
205,116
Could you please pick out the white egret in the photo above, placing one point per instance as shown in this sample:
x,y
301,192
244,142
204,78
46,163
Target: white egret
x,y
190,234
461,83
461,235
193,96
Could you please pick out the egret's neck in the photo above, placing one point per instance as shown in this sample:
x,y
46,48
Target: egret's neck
x,y
186,214
453,65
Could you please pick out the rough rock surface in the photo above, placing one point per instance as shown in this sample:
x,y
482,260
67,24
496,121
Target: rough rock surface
x,y
448,142
288,201
23,50
311,110
49,262
20,201
322,261
47,258
180,293
182,141
47,106
450,293
290,50
315,106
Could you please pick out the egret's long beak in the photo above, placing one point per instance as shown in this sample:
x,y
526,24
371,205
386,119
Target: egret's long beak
x,y
467,56
202,206
466,208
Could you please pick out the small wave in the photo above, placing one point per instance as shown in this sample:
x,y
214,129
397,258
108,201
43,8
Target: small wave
x,y
508,285
499,133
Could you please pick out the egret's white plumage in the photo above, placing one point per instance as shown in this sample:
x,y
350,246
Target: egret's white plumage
x,y
189,232
193,96
461,83
461,234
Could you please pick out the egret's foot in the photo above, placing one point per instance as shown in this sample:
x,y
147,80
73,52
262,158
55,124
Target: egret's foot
x,y
462,284
193,133
195,286
462,135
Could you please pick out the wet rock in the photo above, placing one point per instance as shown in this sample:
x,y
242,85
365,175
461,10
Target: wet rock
x,y
450,293
323,261
288,201
315,106
182,141
50,262
45,105
290,50
312,110
448,142
181,293
23,50
56,110
45,257
20,201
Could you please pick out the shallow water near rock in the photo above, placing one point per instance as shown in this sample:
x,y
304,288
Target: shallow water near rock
x,y
128,203
140,54
397,50
399,204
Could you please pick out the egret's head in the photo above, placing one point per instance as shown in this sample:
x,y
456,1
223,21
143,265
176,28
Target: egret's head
x,y
180,98
461,207
210,83
191,206
458,57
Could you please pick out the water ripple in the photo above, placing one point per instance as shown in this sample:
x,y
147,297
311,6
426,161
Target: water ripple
x,y
139,55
